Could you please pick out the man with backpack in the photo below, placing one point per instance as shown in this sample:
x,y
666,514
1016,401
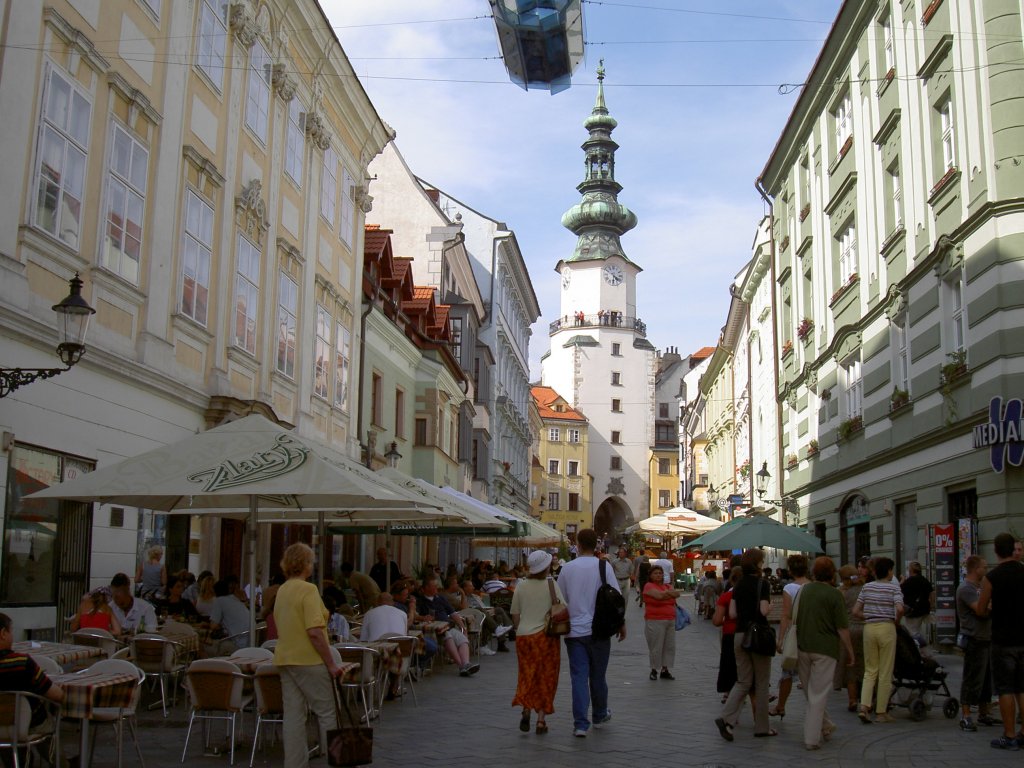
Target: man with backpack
x,y
919,599
596,612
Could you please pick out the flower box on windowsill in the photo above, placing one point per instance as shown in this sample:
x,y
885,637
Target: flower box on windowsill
x,y
898,400
947,181
852,426
784,244
805,211
954,370
803,331
929,12
792,461
889,76
841,290
787,348
812,449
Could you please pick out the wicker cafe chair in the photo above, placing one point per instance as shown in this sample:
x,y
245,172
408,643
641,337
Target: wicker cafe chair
x,y
98,638
117,716
159,657
269,702
215,688
16,729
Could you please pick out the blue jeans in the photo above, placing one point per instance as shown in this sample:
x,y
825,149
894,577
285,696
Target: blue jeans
x,y
588,663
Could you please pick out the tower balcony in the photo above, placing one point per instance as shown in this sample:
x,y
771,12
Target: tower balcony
x,y
600,320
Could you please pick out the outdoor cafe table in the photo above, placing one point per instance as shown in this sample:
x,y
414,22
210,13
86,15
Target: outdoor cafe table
x,y
189,641
87,691
247,665
64,654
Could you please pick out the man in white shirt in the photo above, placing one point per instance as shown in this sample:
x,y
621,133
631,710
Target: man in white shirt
x,y
665,562
132,613
230,615
579,581
385,619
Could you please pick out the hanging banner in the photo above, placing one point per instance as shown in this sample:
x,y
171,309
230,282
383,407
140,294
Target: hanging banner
x,y
942,543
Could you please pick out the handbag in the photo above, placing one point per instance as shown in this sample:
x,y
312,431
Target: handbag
x,y
759,637
556,621
350,744
790,649
683,618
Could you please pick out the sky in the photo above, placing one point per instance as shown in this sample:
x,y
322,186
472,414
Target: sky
x,y
695,88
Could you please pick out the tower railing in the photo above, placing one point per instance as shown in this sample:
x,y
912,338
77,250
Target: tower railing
x,y
602,319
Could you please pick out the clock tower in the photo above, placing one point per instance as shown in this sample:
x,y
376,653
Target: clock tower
x,y
600,359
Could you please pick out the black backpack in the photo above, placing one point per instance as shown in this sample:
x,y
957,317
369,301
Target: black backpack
x,y
609,608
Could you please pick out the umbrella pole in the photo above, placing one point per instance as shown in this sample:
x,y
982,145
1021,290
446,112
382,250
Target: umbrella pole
x,y
253,520
321,525
387,566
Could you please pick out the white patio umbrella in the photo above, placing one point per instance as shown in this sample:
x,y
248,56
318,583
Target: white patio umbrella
x,y
251,464
688,518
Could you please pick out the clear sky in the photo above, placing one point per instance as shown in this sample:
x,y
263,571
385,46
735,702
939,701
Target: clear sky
x,y
694,87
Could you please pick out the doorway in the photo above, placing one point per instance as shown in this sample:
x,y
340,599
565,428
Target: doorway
x,y
855,529
232,538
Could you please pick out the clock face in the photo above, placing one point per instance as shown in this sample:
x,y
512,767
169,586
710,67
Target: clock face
x,y
566,277
613,274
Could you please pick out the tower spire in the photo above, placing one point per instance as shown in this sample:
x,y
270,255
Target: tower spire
x,y
599,219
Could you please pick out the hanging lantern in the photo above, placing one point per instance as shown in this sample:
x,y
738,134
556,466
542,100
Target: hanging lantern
x,y
541,41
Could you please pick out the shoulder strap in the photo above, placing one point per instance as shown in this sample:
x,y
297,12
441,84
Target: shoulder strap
x,y
600,568
551,589
796,601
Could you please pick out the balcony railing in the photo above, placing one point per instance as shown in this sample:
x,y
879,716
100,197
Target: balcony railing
x,y
601,320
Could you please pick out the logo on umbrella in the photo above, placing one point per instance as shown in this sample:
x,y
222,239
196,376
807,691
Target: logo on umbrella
x,y
281,459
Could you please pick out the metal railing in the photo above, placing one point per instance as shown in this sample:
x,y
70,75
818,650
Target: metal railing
x,y
600,320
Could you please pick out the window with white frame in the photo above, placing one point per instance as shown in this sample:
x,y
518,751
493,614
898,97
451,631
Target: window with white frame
x,y
947,135
347,207
957,321
901,352
554,435
257,101
664,466
842,119
616,349
573,435
552,466
154,6
455,332
295,143
615,463
885,34
287,324
126,203
574,502
664,499
197,253
343,361
247,294
322,353
63,149
853,384
616,437
554,500
329,185
616,379
572,468
847,254
895,185
212,39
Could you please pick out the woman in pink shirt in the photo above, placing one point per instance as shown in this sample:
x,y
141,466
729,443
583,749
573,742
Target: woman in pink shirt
x,y
660,623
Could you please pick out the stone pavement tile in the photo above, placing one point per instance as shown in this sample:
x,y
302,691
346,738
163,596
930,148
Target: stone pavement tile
x,y
655,723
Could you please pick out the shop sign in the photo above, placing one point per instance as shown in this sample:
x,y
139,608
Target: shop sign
x,y
1002,434
943,539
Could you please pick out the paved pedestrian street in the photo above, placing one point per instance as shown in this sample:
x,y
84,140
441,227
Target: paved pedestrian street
x,y
469,721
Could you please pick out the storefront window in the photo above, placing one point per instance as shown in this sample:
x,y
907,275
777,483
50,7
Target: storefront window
x,y
28,575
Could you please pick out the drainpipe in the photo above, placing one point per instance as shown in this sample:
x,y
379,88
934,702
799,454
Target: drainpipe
x,y
759,186
362,372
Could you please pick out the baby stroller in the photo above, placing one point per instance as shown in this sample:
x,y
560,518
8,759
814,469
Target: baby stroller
x,y
916,678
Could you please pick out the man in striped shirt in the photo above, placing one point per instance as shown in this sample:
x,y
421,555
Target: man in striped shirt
x,y
19,672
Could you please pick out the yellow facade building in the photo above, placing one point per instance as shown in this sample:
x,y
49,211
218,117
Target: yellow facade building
x,y
564,483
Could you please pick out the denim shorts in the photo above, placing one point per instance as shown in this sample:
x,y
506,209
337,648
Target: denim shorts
x,y
1007,669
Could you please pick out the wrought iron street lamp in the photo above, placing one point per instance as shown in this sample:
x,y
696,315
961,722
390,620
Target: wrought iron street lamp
x,y
712,496
75,313
763,476
392,455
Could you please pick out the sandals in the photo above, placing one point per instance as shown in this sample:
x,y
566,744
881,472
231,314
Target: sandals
x,y
724,729
542,727
769,732
776,712
864,715
524,722
654,674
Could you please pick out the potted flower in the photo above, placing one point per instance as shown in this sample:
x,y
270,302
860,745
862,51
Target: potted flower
x,y
826,394
792,460
805,211
785,243
850,427
743,470
898,398
812,448
787,347
956,367
803,331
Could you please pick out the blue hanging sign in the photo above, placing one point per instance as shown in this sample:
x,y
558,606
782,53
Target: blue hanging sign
x,y
1002,434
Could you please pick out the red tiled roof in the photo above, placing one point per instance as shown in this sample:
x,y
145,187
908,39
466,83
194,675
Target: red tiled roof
x,y
401,268
422,298
375,240
546,398
703,352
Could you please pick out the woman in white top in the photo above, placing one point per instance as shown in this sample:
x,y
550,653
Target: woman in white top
x,y
797,566
539,656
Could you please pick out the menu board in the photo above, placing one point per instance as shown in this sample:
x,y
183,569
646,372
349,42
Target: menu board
x,y
942,543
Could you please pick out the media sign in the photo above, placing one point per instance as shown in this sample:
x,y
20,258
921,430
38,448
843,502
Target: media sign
x,y
1002,434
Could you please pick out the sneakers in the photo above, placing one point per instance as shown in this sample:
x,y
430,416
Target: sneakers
x,y
486,651
599,721
580,733
987,719
473,668
967,724
502,630
464,671
1005,742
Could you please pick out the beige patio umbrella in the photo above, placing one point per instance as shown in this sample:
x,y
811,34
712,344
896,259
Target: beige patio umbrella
x,y
250,464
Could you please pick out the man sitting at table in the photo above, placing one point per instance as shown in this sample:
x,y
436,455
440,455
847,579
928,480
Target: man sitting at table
x,y
133,613
365,588
230,616
431,606
496,624
19,672
386,618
